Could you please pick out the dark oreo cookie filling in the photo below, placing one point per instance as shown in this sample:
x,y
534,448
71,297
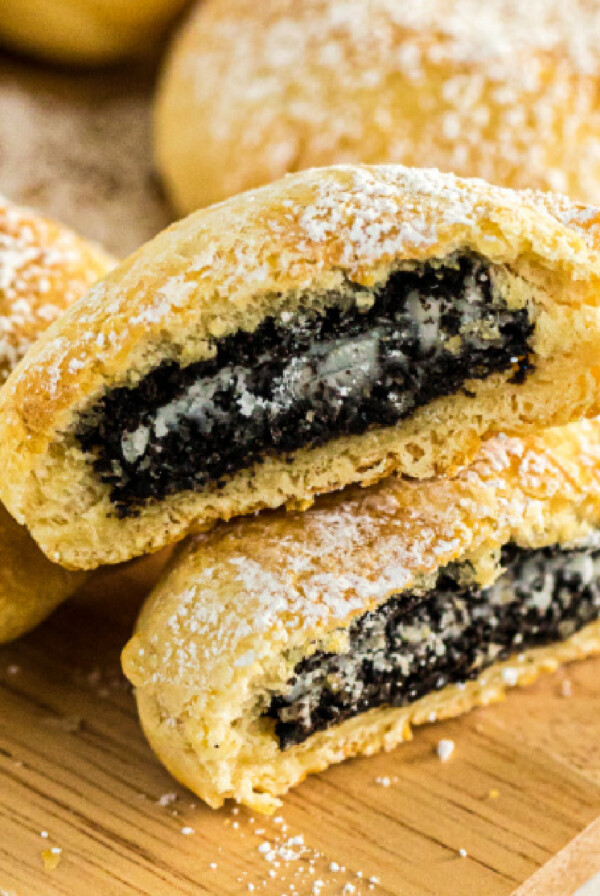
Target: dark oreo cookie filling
x,y
415,644
306,379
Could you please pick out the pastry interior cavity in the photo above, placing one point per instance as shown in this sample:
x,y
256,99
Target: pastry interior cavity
x,y
418,643
367,358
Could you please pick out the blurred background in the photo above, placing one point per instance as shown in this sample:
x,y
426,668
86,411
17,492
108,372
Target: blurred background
x,y
76,144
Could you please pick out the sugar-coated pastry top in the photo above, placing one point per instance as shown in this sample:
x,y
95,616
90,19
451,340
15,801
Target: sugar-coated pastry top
x,y
85,32
503,90
292,246
228,265
280,581
44,268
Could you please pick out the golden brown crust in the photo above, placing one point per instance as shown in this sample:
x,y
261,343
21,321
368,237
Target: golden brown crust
x,y
30,585
44,268
241,605
505,91
260,784
85,32
264,252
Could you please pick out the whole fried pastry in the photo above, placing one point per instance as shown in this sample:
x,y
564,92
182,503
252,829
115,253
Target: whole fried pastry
x,y
330,328
85,32
503,90
278,645
43,268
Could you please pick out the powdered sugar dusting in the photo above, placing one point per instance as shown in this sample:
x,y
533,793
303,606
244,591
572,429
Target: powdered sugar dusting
x,y
313,231
481,101
372,214
584,219
295,577
43,269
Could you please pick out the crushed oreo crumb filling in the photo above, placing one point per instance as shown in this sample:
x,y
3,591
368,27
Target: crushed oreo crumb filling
x,y
415,644
306,378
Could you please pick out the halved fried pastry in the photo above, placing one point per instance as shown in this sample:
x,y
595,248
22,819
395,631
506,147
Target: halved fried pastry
x,y
278,645
330,328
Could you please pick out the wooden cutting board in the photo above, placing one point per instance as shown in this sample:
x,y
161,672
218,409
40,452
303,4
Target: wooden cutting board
x,y
524,779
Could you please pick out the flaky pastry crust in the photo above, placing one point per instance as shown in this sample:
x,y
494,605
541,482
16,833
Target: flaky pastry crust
x,y
242,605
267,252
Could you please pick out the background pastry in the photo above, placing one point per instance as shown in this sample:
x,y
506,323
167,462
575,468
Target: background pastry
x,y
43,268
85,32
278,645
503,90
327,329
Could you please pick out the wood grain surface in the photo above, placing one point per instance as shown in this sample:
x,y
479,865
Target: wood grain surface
x,y
73,763
524,779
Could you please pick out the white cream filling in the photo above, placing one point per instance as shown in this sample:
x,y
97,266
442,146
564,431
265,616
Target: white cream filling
x,y
335,372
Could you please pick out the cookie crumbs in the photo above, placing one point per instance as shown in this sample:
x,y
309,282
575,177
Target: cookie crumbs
x,y
383,781
445,749
510,676
566,688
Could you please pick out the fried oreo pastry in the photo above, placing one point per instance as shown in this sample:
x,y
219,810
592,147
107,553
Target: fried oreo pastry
x,y
502,90
330,328
44,268
278,645
85,32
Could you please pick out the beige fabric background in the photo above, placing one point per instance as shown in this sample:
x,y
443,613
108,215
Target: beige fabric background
x,y
77,146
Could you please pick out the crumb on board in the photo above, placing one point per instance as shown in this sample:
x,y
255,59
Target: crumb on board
x,y
383,781
445,749
566,688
